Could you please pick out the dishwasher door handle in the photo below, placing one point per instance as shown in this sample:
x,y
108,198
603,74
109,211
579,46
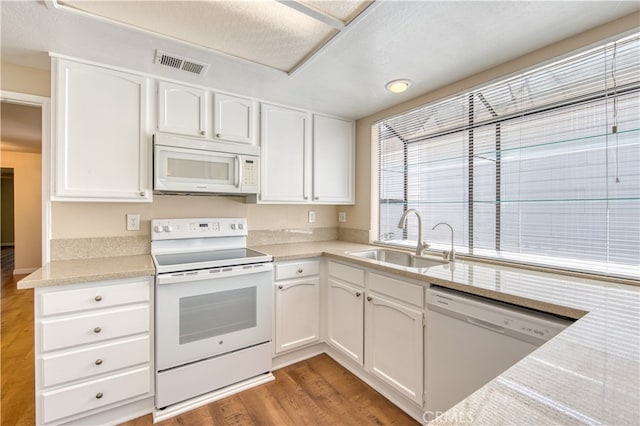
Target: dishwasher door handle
x,y
486,325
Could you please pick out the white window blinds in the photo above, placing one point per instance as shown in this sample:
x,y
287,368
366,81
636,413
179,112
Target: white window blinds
x,y
542,167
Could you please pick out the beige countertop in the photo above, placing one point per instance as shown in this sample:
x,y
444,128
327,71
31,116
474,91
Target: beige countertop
x,y
588,374
62,272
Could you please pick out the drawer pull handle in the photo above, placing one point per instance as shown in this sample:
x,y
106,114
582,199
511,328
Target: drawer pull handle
x,y
280,287
358,294
98,361
300,270
99,395
97,330
98,298
369,298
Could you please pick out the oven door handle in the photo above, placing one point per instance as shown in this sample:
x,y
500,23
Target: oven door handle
x,y
210,274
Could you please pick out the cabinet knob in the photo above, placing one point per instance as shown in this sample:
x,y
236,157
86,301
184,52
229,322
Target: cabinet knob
x,y
300,270
316,198
97,298
143,194
280,287
218,135
98,361
358,294
99,395
369,298
97,330
202,132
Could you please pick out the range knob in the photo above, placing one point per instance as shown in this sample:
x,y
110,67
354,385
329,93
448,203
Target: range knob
x,y
168,228
233,226
158,228
241,226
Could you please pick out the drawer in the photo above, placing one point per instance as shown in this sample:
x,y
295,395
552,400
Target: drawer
x,y
75,330
86,396
104,295
401,290
86,362
284,271
346,273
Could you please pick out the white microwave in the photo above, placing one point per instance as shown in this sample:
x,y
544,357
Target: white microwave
x,y
185,170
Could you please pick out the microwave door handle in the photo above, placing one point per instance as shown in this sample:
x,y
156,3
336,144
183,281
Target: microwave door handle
x,y
238,171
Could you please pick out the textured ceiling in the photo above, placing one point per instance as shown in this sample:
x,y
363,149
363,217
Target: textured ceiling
x,y
432,43
20,128
266,32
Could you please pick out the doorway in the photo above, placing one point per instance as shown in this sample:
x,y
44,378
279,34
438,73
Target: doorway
x,y
7,242
23,135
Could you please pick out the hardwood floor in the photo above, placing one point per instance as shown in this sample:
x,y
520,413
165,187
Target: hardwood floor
x,y
317,391
16,349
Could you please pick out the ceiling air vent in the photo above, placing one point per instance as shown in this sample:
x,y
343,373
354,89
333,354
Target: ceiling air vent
x,y
178,63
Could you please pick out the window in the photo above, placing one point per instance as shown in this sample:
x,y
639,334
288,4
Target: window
x,y
541,168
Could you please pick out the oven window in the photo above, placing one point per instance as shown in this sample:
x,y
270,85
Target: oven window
x,y
196,169
214,314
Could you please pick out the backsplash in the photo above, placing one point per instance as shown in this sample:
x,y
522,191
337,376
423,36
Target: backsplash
x,y
88,248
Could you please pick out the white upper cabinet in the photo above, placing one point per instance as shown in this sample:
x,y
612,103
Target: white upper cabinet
x,y
102,144
298,170
233,119
284,147
333,160
182,109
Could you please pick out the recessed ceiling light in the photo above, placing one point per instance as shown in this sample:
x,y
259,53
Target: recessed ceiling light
x,y
398,86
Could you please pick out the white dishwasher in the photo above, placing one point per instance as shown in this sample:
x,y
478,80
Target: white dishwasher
x,y
471,340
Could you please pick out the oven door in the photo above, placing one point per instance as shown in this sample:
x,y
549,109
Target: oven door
x,y
200,314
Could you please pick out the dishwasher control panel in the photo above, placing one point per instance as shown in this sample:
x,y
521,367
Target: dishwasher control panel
x,y
496,316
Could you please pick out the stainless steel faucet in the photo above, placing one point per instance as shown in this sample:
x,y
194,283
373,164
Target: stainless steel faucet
x,y
422,245
452,253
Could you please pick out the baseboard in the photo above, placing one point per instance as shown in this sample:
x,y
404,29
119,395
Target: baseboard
x,y
23,271
281,361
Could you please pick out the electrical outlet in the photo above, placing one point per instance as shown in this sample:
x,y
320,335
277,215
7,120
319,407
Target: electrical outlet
x,y
342,217
133,222
312,216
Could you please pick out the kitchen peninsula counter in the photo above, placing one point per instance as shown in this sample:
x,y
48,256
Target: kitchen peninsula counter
x,y
588,374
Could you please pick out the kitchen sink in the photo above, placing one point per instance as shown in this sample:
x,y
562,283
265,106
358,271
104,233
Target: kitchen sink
x,y
398,258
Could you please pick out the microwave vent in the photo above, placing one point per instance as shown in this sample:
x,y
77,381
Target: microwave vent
x,y
176,62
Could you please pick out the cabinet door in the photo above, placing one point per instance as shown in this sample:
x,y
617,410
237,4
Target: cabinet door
x,y
394,339
333,160
102,144
284,154
233,118
297,314
181,109
345,319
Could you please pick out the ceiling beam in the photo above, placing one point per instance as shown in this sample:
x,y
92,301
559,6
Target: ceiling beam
x,y
314,13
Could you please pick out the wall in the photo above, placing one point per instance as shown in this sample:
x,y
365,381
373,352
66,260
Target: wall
x,y
83,220
27,177
16,78
363,215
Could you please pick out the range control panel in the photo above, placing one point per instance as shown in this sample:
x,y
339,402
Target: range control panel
x,y
171,229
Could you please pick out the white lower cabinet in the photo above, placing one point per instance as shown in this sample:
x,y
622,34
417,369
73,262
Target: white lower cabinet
x,y
296,299
394,345
378,322
93,349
